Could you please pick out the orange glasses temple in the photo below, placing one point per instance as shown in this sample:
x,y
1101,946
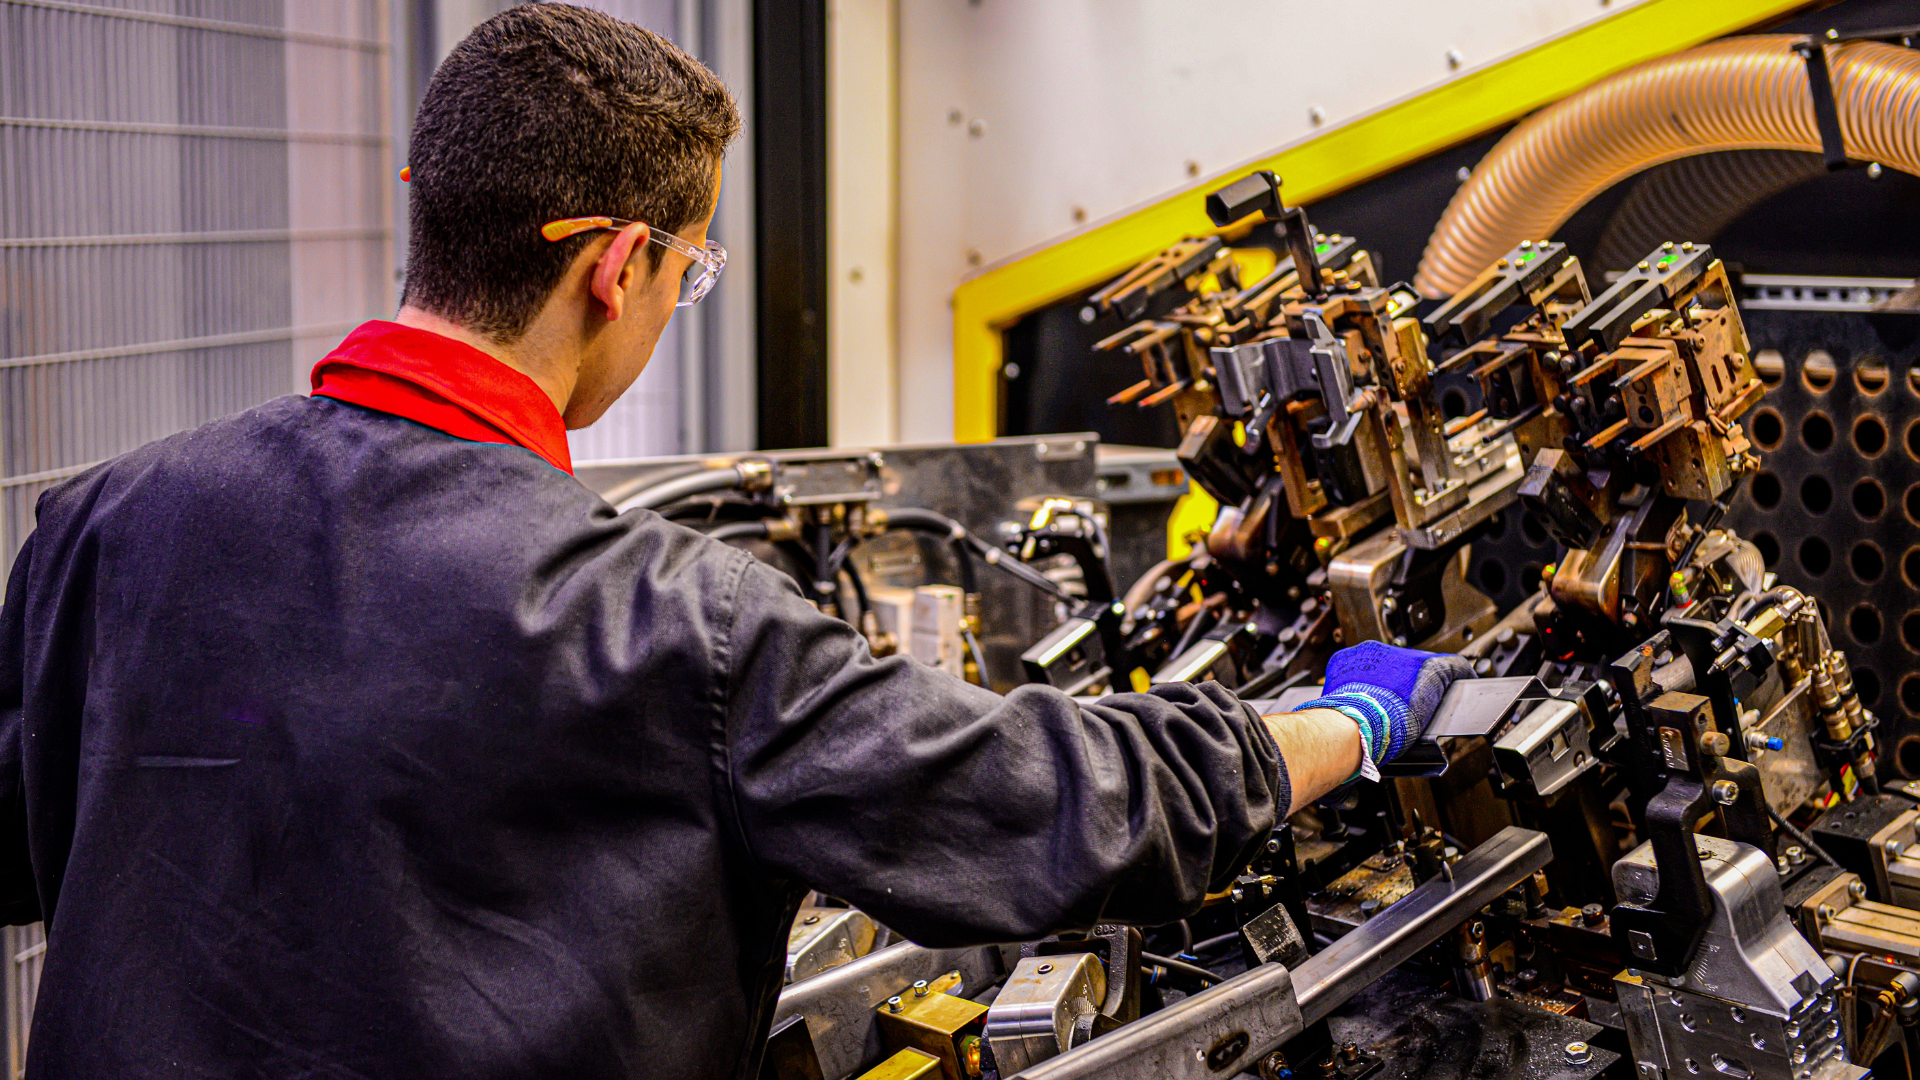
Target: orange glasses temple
x,y
560,230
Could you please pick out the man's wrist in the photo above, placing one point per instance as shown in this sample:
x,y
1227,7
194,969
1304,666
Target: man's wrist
x,y
1373,723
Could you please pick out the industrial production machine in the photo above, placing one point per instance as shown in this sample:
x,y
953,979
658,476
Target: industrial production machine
x,y
1656,838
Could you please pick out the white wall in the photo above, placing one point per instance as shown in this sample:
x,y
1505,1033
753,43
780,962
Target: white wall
x,y
862,109
1022,120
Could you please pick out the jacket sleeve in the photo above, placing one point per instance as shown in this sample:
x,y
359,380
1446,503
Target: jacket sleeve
x,y
19,897
958,816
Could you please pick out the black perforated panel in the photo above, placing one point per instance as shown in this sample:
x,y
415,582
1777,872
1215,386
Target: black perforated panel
x,y
1836,508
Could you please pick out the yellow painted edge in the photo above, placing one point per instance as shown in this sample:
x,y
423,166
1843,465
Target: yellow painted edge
x,y
1354,152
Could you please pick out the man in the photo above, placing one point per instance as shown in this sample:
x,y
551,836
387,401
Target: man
x,y
351,736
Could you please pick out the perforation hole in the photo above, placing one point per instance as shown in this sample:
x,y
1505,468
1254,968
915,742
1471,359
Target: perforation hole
x,y
1869,435
1871,375
1906,753
1818,371
1910,567
1816,432
1772,368
1816,494
1910,502
1867,562
1913,379
1913,440
1910,631
1493,577
1864,624
1869,498
1769,548
1767,429
1765,490
1910,700
1866,683
1816,557
1535,529
1530,577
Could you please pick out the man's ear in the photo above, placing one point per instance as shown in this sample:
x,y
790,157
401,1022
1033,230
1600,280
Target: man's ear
x,y
609,284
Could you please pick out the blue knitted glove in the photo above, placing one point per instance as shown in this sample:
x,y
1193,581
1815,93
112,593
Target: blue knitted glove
x,y
1390,692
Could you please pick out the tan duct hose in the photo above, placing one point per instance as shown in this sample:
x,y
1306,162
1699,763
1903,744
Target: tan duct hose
x,y
1737,94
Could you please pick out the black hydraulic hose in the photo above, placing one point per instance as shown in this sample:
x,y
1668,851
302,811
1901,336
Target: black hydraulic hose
x,y
627,489
1200,624
1805,840
825,581
915,519
859,591
684,487
1214,942
740,530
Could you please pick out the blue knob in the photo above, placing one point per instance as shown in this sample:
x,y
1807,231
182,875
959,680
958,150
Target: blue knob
x,y
1774,742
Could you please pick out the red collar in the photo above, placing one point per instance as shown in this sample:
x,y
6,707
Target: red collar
x,y
445,384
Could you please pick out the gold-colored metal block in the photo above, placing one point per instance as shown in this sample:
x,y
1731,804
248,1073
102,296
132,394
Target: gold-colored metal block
x,y
932,1023
908,1064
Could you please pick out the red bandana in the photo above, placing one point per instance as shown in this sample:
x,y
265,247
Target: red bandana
x,y
445,384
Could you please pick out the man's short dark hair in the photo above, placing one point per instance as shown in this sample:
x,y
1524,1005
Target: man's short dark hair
x,y
548,111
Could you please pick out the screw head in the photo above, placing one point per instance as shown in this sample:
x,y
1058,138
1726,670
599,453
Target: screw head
x,y
1857,890
1044,968
919,988
1824,914
1725,792
893,1003
1578,1053
1593,914
1893,848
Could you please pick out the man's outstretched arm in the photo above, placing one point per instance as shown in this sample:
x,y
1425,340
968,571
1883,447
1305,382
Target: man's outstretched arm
x,y
956,815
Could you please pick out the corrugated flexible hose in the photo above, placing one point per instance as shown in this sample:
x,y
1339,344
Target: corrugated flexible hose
x,y
1738,94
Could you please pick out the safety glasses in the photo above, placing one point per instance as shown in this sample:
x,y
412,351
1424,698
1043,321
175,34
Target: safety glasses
x,y
694,284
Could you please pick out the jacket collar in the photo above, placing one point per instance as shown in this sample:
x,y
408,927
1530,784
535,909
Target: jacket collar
x,y
445,384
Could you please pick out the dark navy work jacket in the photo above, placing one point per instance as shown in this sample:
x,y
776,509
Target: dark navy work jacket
x,y
335,746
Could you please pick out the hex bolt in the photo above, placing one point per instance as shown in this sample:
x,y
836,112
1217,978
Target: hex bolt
x,y
1578,1053
1725,791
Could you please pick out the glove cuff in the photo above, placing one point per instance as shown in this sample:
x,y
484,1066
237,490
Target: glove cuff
x,y
1374,724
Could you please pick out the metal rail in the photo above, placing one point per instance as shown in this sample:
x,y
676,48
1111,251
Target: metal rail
x,y
1232,1026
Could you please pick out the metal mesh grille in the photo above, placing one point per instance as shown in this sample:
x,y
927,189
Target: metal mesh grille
x,y
194,207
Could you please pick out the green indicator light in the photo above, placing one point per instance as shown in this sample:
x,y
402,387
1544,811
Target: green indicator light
x,y
1528,257
1322,249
